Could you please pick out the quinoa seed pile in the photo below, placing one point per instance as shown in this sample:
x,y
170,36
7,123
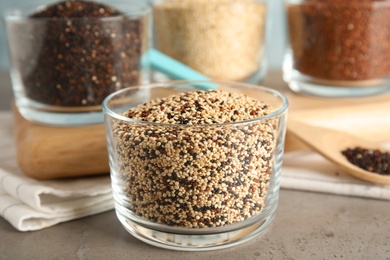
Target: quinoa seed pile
x,y
192,171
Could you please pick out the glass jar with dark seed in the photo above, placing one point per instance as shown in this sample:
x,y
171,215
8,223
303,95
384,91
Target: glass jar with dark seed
x,y
68,56
338,48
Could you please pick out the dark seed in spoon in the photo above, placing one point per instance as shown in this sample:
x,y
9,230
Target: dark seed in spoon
x,y
372,160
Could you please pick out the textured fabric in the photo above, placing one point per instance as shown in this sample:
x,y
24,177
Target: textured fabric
x,y
29,204
308,171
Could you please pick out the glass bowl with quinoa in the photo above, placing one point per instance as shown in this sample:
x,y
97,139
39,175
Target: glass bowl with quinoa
x,y
195,168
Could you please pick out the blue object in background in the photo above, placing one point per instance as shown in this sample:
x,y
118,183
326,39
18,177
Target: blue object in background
x,y
176,70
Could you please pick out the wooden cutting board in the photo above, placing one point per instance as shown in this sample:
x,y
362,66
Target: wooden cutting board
x,y
45,152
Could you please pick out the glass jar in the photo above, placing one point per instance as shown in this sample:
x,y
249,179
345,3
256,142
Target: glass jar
x,y
338,48
194,186
222,39
67,57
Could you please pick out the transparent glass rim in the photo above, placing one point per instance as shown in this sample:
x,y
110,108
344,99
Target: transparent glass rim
x,y
128,8
376,3
227,2
278,112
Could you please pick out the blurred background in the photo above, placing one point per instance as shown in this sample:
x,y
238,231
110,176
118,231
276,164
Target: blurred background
x,y
275,41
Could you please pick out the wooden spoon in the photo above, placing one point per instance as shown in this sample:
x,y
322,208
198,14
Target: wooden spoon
x,y
330,143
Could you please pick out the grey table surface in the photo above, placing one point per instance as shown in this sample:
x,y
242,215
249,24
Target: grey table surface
x,y
307,226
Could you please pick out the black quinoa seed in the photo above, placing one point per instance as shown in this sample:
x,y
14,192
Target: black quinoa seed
x,y
372,160
78,62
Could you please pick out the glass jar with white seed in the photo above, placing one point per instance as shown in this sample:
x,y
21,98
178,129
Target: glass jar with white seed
x,y
195,168
222,39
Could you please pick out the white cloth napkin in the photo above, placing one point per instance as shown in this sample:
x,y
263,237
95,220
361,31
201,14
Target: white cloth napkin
x,y
306,170
29,204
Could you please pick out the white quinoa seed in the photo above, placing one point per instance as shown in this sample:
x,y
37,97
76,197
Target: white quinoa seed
x,y
196,176
222,39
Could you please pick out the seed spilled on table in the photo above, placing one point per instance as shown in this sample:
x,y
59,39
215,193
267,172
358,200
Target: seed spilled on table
x,y
199,163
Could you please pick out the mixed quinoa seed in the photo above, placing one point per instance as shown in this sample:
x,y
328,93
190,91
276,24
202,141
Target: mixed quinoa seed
x,y
187,174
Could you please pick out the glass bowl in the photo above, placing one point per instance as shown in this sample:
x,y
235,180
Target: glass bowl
x,y
195,186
